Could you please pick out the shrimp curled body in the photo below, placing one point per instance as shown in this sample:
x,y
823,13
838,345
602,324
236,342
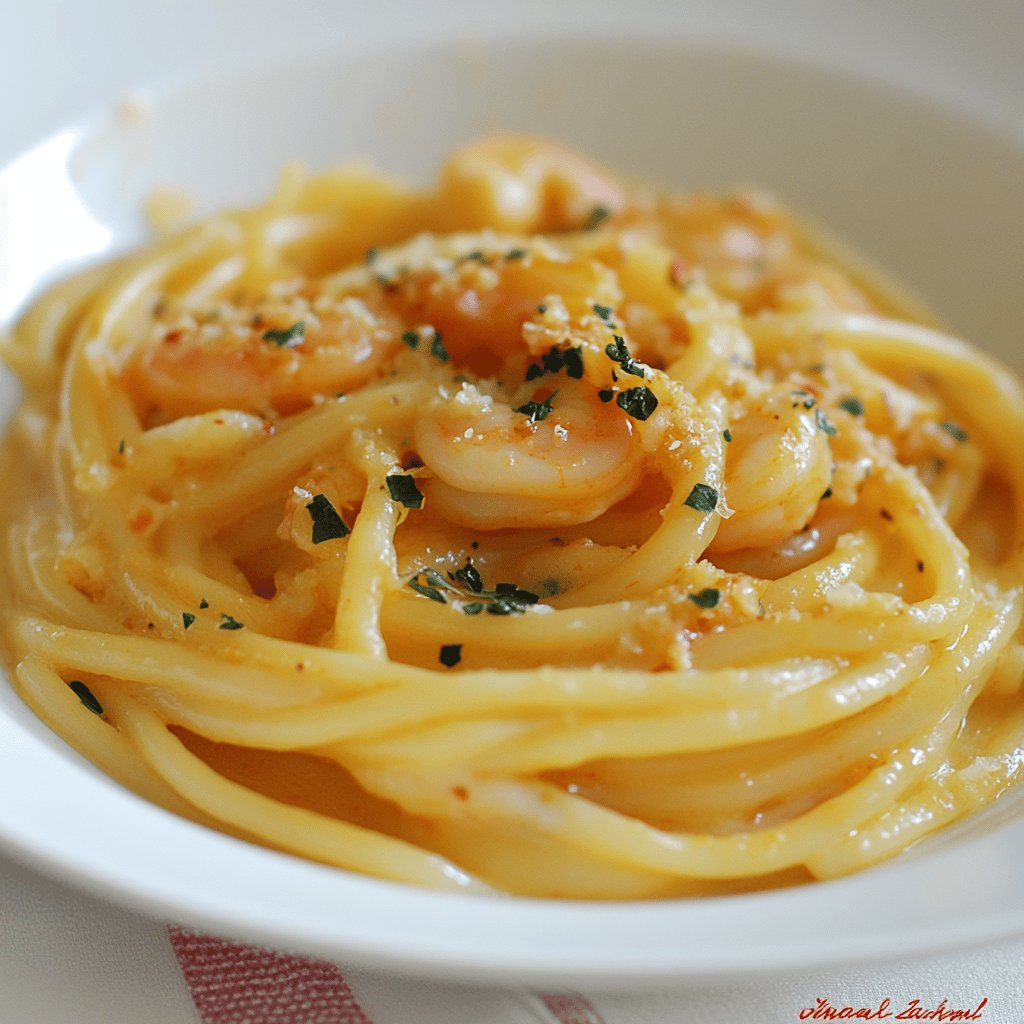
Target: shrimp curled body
x,y
495,467
243,362
777,468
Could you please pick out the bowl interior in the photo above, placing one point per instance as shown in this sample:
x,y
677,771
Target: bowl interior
x,y
922,191
931,196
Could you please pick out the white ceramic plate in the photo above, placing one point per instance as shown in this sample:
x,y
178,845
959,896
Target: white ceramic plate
x,y
920,172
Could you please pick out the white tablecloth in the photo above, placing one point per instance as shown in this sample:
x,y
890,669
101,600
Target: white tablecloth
x,y
70,958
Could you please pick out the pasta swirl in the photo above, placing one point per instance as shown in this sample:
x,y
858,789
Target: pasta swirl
x,y
532,533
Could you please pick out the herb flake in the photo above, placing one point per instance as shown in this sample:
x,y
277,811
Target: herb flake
x,y
86,696
537,411
437,349
556,360
824,424
327,524
573,360
854,406
450,655
702,498
469,577
403,489
955,431
706,598
230,622
426,591
288,337
187,618
637,402
598,216
505,599
620,354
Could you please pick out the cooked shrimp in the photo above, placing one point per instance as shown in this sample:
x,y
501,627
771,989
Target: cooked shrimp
x,y
272,358
496,466
778,466
748,249
481,307
527,184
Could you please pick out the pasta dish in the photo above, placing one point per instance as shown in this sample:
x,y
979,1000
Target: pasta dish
x,y
534,533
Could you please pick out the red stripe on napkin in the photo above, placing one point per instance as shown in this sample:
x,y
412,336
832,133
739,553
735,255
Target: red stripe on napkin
x,y
236,984
572,1009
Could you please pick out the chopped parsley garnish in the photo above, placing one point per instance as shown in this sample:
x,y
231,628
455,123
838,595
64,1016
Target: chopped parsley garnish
x,y
537,411
437,349
620,354
477,256
511,592
854,406
469,577
412,339
727,434
542,309
597,216
425,589
327,524
450,655
703,498
606,394
604,312
824,423
573,360
517,254
508,599
827,493
120,447
86,696
187,618
706,598
203,603
505,599
287,338
955,431
403,489
804,398
535,370
372,253
230,622
637,402
555,360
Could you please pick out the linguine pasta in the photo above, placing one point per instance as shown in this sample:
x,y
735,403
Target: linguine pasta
x,y
531,533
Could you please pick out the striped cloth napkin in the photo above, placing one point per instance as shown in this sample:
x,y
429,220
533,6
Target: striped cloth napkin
x,y
69,958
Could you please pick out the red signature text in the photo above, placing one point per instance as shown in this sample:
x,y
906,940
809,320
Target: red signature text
x,y
913,1010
